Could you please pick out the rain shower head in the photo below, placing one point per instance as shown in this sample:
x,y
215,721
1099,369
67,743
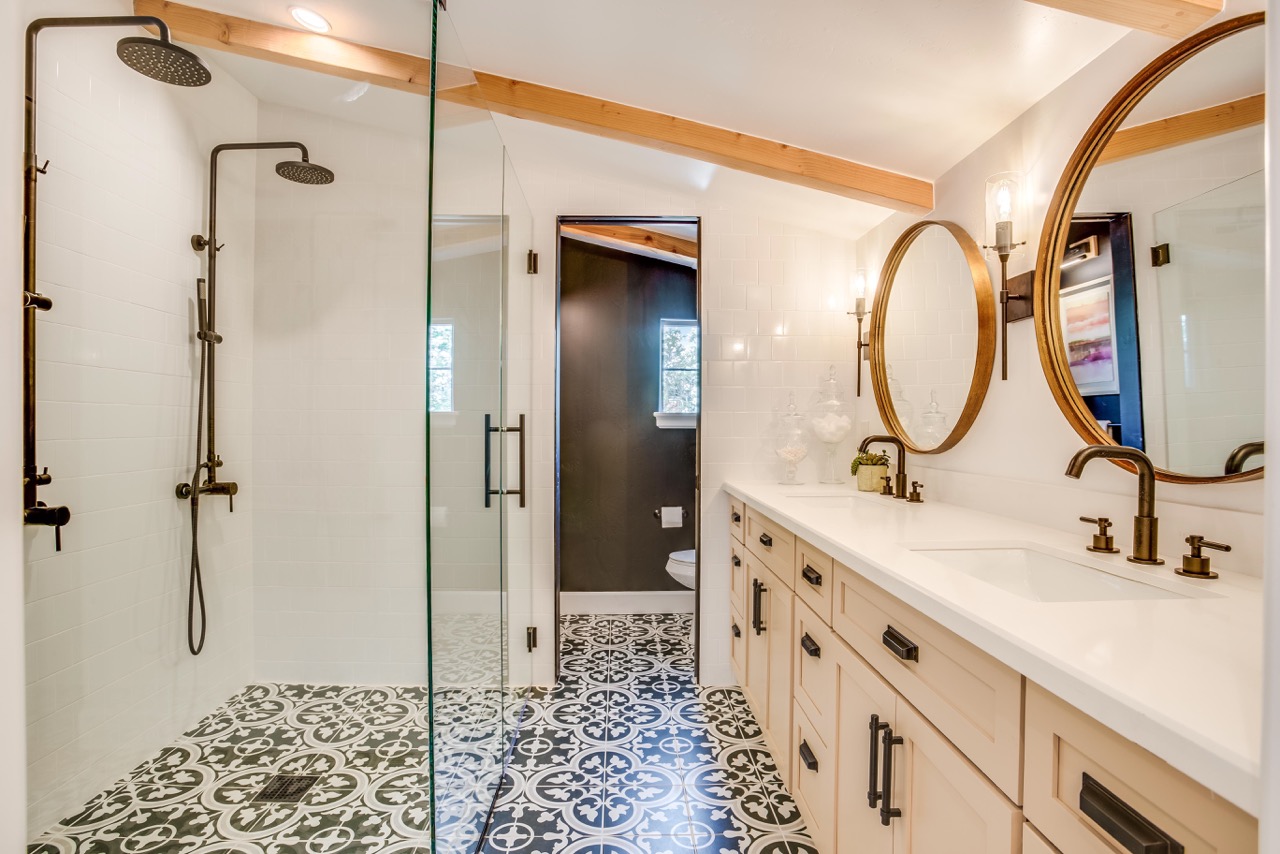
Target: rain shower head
x,y
303,172
161,59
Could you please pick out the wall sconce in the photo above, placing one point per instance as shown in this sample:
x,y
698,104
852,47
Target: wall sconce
x,y
1080,251
861,301
1005,215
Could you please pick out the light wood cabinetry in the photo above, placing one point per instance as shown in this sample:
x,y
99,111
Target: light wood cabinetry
x,y
897,736
973,699
1093,792
739,588
737,519
738,644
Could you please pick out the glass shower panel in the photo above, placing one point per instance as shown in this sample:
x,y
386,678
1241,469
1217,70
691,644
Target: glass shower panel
x,y
1211,311
467,457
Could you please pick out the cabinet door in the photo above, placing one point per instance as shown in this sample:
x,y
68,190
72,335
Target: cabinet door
x,y
778,619
860,694
947,805
756,685
738,630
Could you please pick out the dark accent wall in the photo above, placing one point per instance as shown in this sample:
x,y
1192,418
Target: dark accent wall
x,y
616,466
1115,259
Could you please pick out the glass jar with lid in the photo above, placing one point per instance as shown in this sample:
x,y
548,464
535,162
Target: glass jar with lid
x,y
793,441
830,424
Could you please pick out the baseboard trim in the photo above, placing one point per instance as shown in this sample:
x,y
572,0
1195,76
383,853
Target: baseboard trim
x,y
642,602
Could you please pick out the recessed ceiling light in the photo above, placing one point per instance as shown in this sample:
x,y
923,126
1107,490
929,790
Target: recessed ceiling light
x,y
313,21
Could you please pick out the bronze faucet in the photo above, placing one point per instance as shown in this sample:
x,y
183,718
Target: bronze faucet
x,y
1237,458
1146,549
900,479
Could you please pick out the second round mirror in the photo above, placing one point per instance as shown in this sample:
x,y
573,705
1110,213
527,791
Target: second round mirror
x,y
933,336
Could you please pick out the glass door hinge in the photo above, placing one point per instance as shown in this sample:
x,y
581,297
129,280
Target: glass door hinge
x,y
532,263
531,638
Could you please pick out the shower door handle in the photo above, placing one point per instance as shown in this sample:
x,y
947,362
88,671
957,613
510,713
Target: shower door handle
x,y
488,460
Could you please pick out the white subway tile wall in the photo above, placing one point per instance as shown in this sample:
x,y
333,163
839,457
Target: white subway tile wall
x,y
339,401
109,678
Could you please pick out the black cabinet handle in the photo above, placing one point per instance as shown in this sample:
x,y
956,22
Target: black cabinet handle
x,y
811,575
757,594
873,777
488,461
888,811
806,756
808,645
737,632
766,541
737,518
900,645
1130,828
737,561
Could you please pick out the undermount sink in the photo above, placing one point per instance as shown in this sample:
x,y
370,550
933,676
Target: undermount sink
x,y
1040,575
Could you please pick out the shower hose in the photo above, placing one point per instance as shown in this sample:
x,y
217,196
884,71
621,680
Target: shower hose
x,y
195,590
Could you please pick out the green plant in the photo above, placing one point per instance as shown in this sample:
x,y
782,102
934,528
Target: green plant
x,y
866,458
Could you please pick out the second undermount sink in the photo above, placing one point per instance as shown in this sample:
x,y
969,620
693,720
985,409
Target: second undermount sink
x,y
1042,575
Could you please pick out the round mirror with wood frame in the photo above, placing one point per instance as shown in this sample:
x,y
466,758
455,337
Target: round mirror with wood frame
x,y
1057,248
949,332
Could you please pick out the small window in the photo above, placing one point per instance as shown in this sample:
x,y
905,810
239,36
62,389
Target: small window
x,y
440,368
679,392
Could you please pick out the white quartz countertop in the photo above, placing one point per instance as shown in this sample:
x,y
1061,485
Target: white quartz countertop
x,y
1180,677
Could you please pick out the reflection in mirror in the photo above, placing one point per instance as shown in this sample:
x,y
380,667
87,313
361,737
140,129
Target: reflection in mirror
x,y
934,323
1162,285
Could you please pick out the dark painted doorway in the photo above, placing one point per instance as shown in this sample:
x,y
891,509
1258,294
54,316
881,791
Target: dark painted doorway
x,y
615,466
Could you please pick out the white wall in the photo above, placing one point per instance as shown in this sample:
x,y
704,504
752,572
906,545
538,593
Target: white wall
x,y
1012,460
109,678
339,433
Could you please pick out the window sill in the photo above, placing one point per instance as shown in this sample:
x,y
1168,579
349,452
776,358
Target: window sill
x,y
676,420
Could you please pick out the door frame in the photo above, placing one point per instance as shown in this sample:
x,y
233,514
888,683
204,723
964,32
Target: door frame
x,y
695,221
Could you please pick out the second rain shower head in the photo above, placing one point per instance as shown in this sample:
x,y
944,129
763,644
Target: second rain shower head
x,y
161,59
303,172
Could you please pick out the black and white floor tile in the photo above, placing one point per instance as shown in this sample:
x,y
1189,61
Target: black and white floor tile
x,y
627,755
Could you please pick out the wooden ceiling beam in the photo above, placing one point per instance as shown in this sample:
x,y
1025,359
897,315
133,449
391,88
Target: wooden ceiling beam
x,y
1173,18
1188,127
535,102
637,236
710,144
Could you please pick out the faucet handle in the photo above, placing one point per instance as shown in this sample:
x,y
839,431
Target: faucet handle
x,y
1102,541
915,497
887,489
1196,565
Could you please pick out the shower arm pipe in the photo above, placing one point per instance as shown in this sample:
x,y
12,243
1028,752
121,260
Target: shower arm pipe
x,y
34,511
210,246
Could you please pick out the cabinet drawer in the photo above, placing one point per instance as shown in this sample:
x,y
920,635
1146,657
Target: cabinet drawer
x,y
738,584
773,544
813,650
973,699
813,775
738,628
1034,843
1079,774
737,518
813,579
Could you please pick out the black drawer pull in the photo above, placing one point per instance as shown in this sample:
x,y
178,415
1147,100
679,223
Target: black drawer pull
x,y
766,541
900,645
808,645
737,632
806,756
1125,824
811,575
737,518
737,561
873,778
887,810
757,594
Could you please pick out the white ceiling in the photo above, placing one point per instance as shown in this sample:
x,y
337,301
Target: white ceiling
x,y
908,85
1227,71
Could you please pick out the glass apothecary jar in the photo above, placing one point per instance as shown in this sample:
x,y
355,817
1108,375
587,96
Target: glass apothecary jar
x,y
831,424
793,441
933,423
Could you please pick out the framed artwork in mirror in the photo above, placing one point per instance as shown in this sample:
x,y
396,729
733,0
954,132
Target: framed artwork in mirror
x,y
1089,331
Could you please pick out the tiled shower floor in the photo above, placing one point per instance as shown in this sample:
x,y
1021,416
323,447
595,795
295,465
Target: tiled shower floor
x,y
625,755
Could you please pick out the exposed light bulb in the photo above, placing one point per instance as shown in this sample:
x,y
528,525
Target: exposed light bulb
x,y
860,284
1004,203
310,19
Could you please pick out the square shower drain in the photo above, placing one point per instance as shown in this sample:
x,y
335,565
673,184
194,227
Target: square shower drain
x,y
286,788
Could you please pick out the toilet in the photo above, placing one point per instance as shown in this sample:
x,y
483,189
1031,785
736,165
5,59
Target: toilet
x,y
682,565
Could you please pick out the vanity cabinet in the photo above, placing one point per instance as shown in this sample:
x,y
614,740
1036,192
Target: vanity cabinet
x,y
868,704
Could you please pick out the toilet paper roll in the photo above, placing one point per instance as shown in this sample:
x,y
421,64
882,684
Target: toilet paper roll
x,y
673,517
